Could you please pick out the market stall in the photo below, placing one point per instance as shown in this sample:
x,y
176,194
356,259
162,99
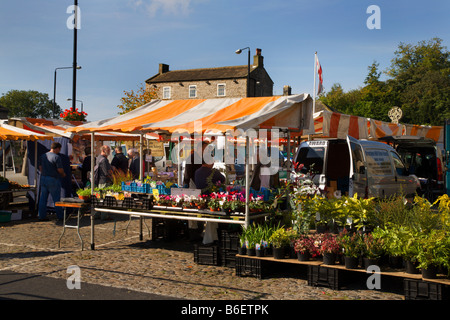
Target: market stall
x,y
281,115
9,188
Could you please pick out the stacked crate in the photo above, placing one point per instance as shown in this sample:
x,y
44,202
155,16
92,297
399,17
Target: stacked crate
x,y
207,254
229,242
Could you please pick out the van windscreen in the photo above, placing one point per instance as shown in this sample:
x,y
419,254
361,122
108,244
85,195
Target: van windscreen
x,y
311,158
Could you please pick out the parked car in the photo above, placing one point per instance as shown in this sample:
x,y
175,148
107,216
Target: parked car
x,y
424,158
367,168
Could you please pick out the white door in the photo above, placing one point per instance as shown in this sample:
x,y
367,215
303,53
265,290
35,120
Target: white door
x,y
358,168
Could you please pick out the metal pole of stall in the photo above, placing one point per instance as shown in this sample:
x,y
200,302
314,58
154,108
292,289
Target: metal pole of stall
x,y
92,189
4,158
36,194
247,182
141,169
288,174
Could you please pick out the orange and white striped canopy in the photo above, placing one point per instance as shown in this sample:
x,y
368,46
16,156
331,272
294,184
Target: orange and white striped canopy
x,y
203,115
58,127
8,132
337,125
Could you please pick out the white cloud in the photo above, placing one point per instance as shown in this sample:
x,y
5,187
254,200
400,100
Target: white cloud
x,y
171,7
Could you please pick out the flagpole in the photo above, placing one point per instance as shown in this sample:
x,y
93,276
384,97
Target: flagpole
x,y
315,72
314,90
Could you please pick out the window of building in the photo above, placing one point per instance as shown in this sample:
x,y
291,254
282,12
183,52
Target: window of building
x,y
166,93
192,91
221,90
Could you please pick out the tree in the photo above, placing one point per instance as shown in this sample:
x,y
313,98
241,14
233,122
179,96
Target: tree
x,y
133,100
422,75
33,104
418,82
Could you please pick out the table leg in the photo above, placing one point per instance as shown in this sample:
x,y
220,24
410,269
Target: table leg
x,y
141,234
92,228
78,228
64,228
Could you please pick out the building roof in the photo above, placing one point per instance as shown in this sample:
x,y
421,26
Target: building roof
x,y
233,72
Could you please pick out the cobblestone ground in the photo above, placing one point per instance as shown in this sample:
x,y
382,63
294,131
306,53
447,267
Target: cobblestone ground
x,y
120,259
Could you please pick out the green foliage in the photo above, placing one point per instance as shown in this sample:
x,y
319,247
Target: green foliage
x,y
84,192
280,237
33,104
418,82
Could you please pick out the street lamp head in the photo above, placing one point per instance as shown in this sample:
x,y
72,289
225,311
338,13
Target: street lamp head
x,y
78,67
238,51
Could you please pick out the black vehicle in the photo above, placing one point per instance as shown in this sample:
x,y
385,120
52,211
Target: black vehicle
x,y
424,158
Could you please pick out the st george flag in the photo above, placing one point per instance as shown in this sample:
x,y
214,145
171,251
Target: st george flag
x,y
319,71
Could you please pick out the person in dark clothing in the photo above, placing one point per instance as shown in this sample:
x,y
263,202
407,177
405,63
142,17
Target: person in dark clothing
x,y
205,175
86,166
51,168
120,161
134,163
103,170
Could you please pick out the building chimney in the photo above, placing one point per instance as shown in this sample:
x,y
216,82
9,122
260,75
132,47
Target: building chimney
x,y
163,68
258,59
287,91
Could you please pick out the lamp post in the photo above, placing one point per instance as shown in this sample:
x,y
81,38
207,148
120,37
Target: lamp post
x,y
74,83
239,51
54,88
68,99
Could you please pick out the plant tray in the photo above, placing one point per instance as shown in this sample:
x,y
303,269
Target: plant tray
x,y
423,290
206,255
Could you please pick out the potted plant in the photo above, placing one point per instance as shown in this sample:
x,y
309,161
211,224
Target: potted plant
x,y
329,248
352,246
434,252
279,239
242,250
213,204
84,194
409,248
373,249
304,247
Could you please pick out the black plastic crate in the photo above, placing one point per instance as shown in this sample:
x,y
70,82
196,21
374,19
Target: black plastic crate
x,y
206,254
246,267
229,240
423,290
228,258
168,230
139,204
110,202
323,277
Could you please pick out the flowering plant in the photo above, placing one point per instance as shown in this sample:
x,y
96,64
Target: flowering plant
x,y
329,244
70,115
305,244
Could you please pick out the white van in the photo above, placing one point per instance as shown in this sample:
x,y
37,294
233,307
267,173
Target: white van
x,y
368,168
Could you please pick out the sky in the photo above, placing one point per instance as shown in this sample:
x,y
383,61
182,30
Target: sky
x,y
121,43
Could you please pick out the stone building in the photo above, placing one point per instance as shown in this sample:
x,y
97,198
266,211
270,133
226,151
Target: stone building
x,y
208,83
